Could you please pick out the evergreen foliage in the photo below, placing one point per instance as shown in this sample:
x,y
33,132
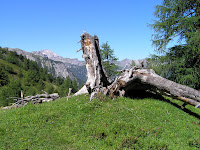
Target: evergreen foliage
x,y
74,86
178,19
50,89
133,63
41,85
18,73
109,59
3,77
59,81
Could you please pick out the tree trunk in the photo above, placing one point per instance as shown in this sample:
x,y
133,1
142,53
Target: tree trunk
x,y
95,71
130,80
39,98
147,80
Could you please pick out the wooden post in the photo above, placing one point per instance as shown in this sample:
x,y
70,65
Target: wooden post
x,y
70,89
22,95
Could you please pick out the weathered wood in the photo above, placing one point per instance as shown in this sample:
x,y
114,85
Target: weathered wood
x,y
22,95
148,80
130,80
95,71
70,89
39,98
83,90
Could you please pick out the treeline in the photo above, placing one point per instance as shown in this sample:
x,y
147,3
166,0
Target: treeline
x,y
19,73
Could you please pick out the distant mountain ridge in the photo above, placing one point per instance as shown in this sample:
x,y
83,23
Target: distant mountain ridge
x,y
55,64
63,67
52,55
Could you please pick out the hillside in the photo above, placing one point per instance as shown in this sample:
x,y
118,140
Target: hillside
x,y
19,73
121,123
56,65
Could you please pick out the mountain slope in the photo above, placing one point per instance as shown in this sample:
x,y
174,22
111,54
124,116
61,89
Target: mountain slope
x,y
19,73
52,55
54,64
74,66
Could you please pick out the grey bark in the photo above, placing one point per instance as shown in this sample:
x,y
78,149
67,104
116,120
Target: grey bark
x,y
39,98
95,71
70,89
132,79
148,80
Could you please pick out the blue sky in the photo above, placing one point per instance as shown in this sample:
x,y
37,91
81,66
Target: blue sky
x,y
34,25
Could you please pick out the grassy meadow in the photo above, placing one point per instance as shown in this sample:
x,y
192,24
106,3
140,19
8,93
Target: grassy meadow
x,y
120,123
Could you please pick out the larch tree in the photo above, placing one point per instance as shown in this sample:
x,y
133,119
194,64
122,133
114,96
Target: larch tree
x,y
178,19
74,86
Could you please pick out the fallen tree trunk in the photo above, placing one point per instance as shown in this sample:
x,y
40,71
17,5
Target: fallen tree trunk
x,y
130,80
147,80
39,98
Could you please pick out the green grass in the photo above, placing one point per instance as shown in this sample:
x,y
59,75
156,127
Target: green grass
x,y
121,123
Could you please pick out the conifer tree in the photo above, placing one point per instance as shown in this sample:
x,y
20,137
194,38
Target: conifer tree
x,y
3,77
68,82
178,19
109,60
20,73
59,81
74,86
40,85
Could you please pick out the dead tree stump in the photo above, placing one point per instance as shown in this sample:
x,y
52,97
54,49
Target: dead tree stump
x,y
130,80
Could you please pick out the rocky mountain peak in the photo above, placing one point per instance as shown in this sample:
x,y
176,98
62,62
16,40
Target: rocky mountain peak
x,y
49,53
52,55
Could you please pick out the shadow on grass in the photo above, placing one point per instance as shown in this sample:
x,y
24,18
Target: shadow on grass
x,y
139,94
